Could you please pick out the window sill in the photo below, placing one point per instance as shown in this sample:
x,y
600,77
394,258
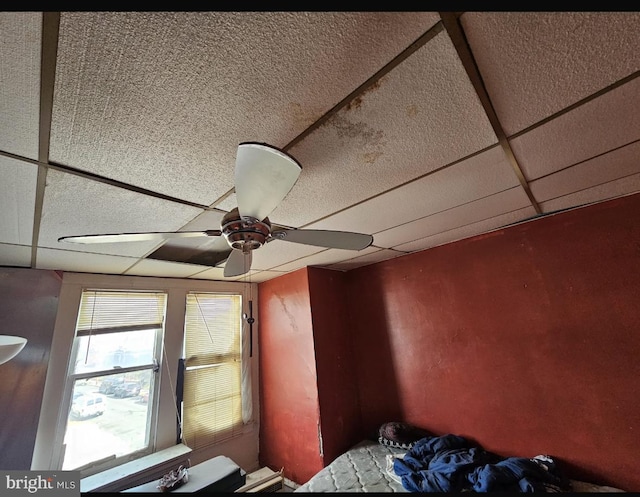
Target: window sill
x,y
137,472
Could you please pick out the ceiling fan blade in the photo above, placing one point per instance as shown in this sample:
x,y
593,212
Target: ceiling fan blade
x,y
137,237
264,175
326,238
238,263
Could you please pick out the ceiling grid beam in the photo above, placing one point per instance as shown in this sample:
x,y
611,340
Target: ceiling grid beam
x,y
362,89
49,49
452,26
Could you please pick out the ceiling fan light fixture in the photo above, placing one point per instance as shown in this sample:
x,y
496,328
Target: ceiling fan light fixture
x,y
244,232
10,346
264,176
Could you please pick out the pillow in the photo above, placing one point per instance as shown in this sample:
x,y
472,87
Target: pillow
x,y
401,435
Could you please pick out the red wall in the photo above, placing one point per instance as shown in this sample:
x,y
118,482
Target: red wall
x,y
289,409
309,400
526,339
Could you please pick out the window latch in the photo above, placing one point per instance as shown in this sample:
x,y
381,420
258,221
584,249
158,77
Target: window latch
x,y
156,365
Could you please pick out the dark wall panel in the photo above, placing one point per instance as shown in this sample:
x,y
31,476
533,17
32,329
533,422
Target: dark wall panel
x,y
337,387
28,307
525,339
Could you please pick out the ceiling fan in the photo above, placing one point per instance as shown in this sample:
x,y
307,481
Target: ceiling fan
x,y
264,175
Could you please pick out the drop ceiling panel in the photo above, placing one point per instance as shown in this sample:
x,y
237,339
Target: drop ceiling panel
x,y
468,231
326,258
17,201
377,107
251,277
535,64
367,259
217,273
469,180
597,127
602,169
616,188
77,206
421,116
507,201
229,203
15,255
206,220
278,252
20,82
211,248
208,251
261,276
162,99
81,262
150,267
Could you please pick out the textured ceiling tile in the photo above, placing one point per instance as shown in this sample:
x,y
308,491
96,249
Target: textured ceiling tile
x,y
606,191
207,251
365,260
279,252
229,203
20,82
78,206
261,276
148,267
473,178
610,121
81,262
162,99
217,273
616,164
468,231
421,116
17,201
510,200
207,220
535,64
15,255
325,258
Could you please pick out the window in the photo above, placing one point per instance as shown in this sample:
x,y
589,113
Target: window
x,y
213,396
111,382
69,362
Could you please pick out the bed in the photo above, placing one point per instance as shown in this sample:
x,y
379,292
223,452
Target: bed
x,y
368,467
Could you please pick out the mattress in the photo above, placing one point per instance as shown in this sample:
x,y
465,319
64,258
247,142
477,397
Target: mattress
x,y
365,468
360,469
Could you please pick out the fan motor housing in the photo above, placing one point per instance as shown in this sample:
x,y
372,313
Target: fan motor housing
x,y
245,233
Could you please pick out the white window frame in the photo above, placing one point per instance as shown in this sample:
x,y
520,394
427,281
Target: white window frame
x,y
101,465
243,450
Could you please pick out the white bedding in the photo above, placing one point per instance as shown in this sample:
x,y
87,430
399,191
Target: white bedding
x,y
365,468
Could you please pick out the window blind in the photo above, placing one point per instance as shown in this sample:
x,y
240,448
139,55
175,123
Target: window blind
x,y
212,397
103,309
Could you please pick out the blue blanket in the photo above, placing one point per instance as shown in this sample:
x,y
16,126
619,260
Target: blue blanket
x,y
452,463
